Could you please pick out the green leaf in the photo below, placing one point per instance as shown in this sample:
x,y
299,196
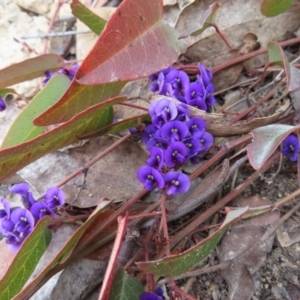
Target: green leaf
x,y
76,99
14,158
206,20
26,260
30,69
119,126
63,254
4,92
23,129
266,139
177,264
91,20
125,287
271,8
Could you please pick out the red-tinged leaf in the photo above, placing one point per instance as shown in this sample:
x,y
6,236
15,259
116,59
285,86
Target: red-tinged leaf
x,y
125,287
76,99
119,126
4,92
271,8
266,139
29,69
14,158
134,44
277,56
63,254
110,270
177,264
25,260
206,20
22,129
94,22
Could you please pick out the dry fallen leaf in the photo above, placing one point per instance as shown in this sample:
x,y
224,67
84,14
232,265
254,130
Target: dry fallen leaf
x,y
237,240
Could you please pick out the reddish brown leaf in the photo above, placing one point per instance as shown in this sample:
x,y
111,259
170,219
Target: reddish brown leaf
x,y
134,44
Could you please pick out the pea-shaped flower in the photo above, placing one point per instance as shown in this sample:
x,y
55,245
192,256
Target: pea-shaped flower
x,y
291,147
22,189
23,219
54,197
156,158
196,125
149,296
174,131
175,154
41,209
166,109
176,182
149,176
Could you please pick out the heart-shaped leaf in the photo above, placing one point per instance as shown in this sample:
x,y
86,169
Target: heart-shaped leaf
x,y
94,22
177,264
26,260
23,129
277,56
134,43
207,19
125,287
63,254
14,158
266,139
271,8
29,69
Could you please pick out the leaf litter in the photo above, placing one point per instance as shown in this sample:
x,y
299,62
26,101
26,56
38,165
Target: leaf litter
x,y
248,232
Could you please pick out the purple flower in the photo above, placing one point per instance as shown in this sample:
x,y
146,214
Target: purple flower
x,y
2,104
198,103
156,158
22,189
6,211
194,91
205,75
206,140
179,81
167,90
183,113
174,131
48,75
54,197
210,100
150,176
148,133
41,209
23,219
149,296
158,142
196,125
175,154
166,109
176,182
193,146
6,225
290,147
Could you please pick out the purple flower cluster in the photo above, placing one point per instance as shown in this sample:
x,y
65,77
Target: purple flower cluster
x,y
290,146
70,72
151,296
2,104
16,223
175,83
172,139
